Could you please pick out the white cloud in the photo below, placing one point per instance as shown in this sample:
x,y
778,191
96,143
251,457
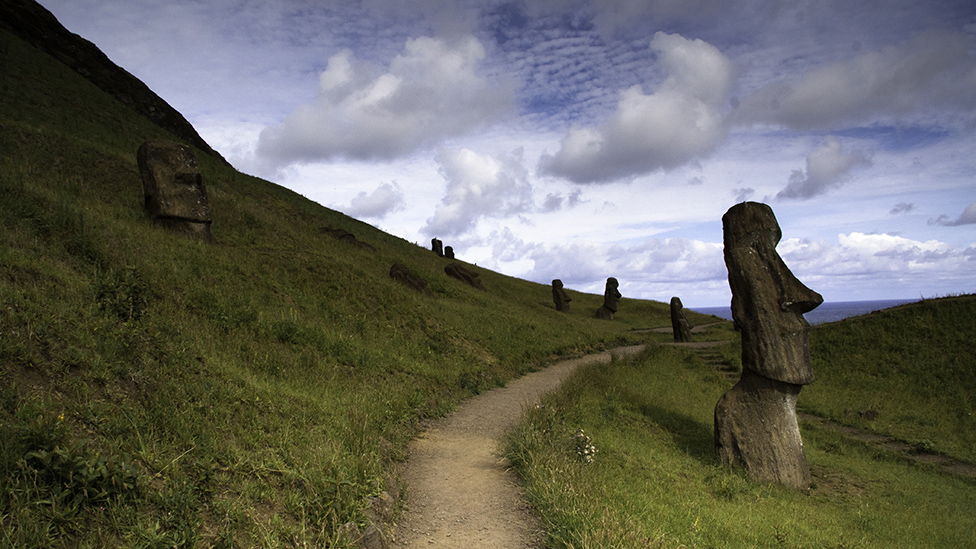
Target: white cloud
x,y
931,71
827,166
680,122
435,89
968,217
385,199
478,185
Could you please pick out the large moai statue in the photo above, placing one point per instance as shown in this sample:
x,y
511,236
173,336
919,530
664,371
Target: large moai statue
x,y
611,299
679,324
755,421
559,296
176,197
437,246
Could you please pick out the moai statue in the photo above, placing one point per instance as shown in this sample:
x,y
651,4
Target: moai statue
x,y
755,421
437,246
448,252
176,197
611,297
679,325
559,296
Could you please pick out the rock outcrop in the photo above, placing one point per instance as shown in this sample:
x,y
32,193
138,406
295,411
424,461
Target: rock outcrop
x,y
755,421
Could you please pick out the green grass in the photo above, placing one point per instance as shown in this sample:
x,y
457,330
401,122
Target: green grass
x,y
915,366
255,392
655,481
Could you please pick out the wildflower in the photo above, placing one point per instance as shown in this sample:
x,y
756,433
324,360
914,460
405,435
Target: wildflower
x,y
585,450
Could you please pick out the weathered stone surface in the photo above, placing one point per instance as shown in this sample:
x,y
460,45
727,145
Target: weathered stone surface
x,y
345,236
401,273
559,296
437,247
755,421
449,252
464,274
756,428
175,194
768,302
611,300
679,324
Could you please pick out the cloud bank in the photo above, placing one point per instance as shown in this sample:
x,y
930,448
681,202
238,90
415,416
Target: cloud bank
x,y
828,166
478,185
681,121
385,199
435,89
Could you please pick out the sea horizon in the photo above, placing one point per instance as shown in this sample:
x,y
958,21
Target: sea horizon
x,y
829,311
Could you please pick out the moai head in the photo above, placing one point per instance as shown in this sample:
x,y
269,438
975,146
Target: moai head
x,y
559,296
175,194
611,297
768,302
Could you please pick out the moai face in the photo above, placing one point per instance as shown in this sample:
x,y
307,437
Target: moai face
x,y
768,302
611,297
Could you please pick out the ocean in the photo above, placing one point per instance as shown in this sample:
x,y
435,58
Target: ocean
x,y
828,312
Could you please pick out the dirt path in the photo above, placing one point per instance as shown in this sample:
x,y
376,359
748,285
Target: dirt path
x,y
460,490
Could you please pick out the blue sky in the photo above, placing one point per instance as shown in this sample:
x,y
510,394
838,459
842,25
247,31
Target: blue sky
x,y
583,139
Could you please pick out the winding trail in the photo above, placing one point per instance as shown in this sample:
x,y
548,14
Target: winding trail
x,y
460,489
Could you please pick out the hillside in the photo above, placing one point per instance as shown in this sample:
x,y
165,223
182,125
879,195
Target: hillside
x,y
158,391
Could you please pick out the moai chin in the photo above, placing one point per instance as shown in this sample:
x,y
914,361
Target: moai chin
x,y
755,421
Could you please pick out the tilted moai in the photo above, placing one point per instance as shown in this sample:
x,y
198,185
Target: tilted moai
x,y
559,296
437,246
176,197
679,325
755,421
611,298
448,252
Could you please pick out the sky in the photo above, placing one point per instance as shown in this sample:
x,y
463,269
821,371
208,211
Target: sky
x,y
587,139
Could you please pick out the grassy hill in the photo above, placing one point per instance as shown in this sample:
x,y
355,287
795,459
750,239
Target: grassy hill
x,y
157,391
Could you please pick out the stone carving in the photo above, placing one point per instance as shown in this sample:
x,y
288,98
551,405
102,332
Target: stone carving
x,y
464,274
176,197
679,325
559,296
755,421
448,252
611,298
401,273
437,246
343,235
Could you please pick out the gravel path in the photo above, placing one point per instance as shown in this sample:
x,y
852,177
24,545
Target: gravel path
x,y
460,490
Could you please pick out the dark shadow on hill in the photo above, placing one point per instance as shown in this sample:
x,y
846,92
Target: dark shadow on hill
x,y
695,438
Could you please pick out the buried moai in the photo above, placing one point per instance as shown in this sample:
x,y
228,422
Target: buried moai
x,y
176,197
611,298
679,324
559,296
755,421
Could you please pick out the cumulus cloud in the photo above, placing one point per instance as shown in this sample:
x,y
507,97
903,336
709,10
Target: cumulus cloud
x,y
828,166
385,199
555,201
931,71
433,90
478,185
968,217
678,123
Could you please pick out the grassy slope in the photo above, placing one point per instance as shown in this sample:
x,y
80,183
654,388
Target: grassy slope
x,y
656,482
158,391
